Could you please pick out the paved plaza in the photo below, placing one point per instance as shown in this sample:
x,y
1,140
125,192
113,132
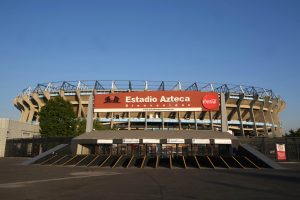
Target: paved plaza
x,y
61,182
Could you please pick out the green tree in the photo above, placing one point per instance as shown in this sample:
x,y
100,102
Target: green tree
x,y
57,118
81,126
293,133
100,127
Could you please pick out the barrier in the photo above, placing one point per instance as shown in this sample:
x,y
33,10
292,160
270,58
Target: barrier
x,y
211,163
129,163
117,162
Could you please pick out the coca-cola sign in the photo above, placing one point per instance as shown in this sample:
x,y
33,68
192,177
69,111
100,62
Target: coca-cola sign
x,y
210,101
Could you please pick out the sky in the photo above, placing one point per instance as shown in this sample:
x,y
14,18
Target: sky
x,y
249,42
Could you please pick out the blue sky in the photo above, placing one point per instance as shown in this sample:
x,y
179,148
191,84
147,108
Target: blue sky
x,y
250,42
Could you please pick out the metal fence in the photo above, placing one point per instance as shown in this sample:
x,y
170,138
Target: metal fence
x,y
30,147
34,146
267,146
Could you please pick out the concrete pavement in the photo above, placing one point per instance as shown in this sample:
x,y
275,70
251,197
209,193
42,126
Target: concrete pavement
x,y
54,182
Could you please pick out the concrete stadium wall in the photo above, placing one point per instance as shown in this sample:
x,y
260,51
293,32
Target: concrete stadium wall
x,y
249,110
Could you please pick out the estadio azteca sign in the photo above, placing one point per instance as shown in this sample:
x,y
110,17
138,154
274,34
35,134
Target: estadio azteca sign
x,y
157,101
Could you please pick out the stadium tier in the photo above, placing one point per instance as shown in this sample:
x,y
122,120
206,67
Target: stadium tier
x,y
249,110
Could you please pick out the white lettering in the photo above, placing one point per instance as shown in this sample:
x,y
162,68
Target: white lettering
x,y
174,99
210,101
148,99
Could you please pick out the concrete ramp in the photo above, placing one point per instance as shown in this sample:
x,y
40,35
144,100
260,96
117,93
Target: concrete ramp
x,y
260,159
45,154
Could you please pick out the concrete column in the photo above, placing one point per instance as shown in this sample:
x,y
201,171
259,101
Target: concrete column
x,y
82,150
79,103
252,115
80,107
276,108
112,120
62,94
89,119
195,118
96,115
163,120
281,106
211,120
241,121
270,108
31,107
261,110
129,122
47,95
179,121
24,111
224,122
239,102
146,121
36,97
78,149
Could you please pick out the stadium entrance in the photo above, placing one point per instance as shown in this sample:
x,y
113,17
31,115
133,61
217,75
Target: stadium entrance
x,y
157,149
164,150
154,143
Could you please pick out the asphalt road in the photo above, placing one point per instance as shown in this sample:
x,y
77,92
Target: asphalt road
x,y
54,182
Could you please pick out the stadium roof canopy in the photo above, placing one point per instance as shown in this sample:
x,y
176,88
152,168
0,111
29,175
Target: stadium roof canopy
x,y
139,85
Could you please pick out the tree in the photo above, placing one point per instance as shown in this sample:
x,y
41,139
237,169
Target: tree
x,y
100,127
57,118
81,126
293,133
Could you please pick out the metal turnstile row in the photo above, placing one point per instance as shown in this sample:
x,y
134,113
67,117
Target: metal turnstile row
x,y
127,161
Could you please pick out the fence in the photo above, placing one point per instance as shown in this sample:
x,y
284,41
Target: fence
x,y
34,146
31,147
267,146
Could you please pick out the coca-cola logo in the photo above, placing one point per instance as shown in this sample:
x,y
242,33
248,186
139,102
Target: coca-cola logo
x,y
210,101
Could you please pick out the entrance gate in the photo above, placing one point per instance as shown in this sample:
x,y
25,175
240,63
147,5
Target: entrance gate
x,y
164,150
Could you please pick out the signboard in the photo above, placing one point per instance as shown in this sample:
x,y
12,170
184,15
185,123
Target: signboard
x,y
175,141
157,101
131,141
280,149
222,141
151,141
104,141
201,141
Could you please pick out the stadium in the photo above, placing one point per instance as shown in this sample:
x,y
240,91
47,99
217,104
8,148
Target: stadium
x,y
250,111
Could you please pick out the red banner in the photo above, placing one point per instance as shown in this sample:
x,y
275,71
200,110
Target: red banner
x,y
280,149
156,101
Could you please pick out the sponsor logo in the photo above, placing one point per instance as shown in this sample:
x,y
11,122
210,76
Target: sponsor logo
x,y
112,99
210,101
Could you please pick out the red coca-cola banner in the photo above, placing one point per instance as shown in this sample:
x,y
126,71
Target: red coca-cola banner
x,y
157,101
280,149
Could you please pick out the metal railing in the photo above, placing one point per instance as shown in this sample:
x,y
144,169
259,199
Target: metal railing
x,y
30,147
267,146
34,146
141,85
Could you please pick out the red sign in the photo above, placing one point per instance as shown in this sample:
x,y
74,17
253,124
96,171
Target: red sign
x,y
280,149
210,102
156,101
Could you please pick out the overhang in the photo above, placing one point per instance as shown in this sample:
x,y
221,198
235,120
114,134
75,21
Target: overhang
x,y
142,136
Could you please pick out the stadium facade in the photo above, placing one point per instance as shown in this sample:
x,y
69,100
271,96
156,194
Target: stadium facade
x,y
250,110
